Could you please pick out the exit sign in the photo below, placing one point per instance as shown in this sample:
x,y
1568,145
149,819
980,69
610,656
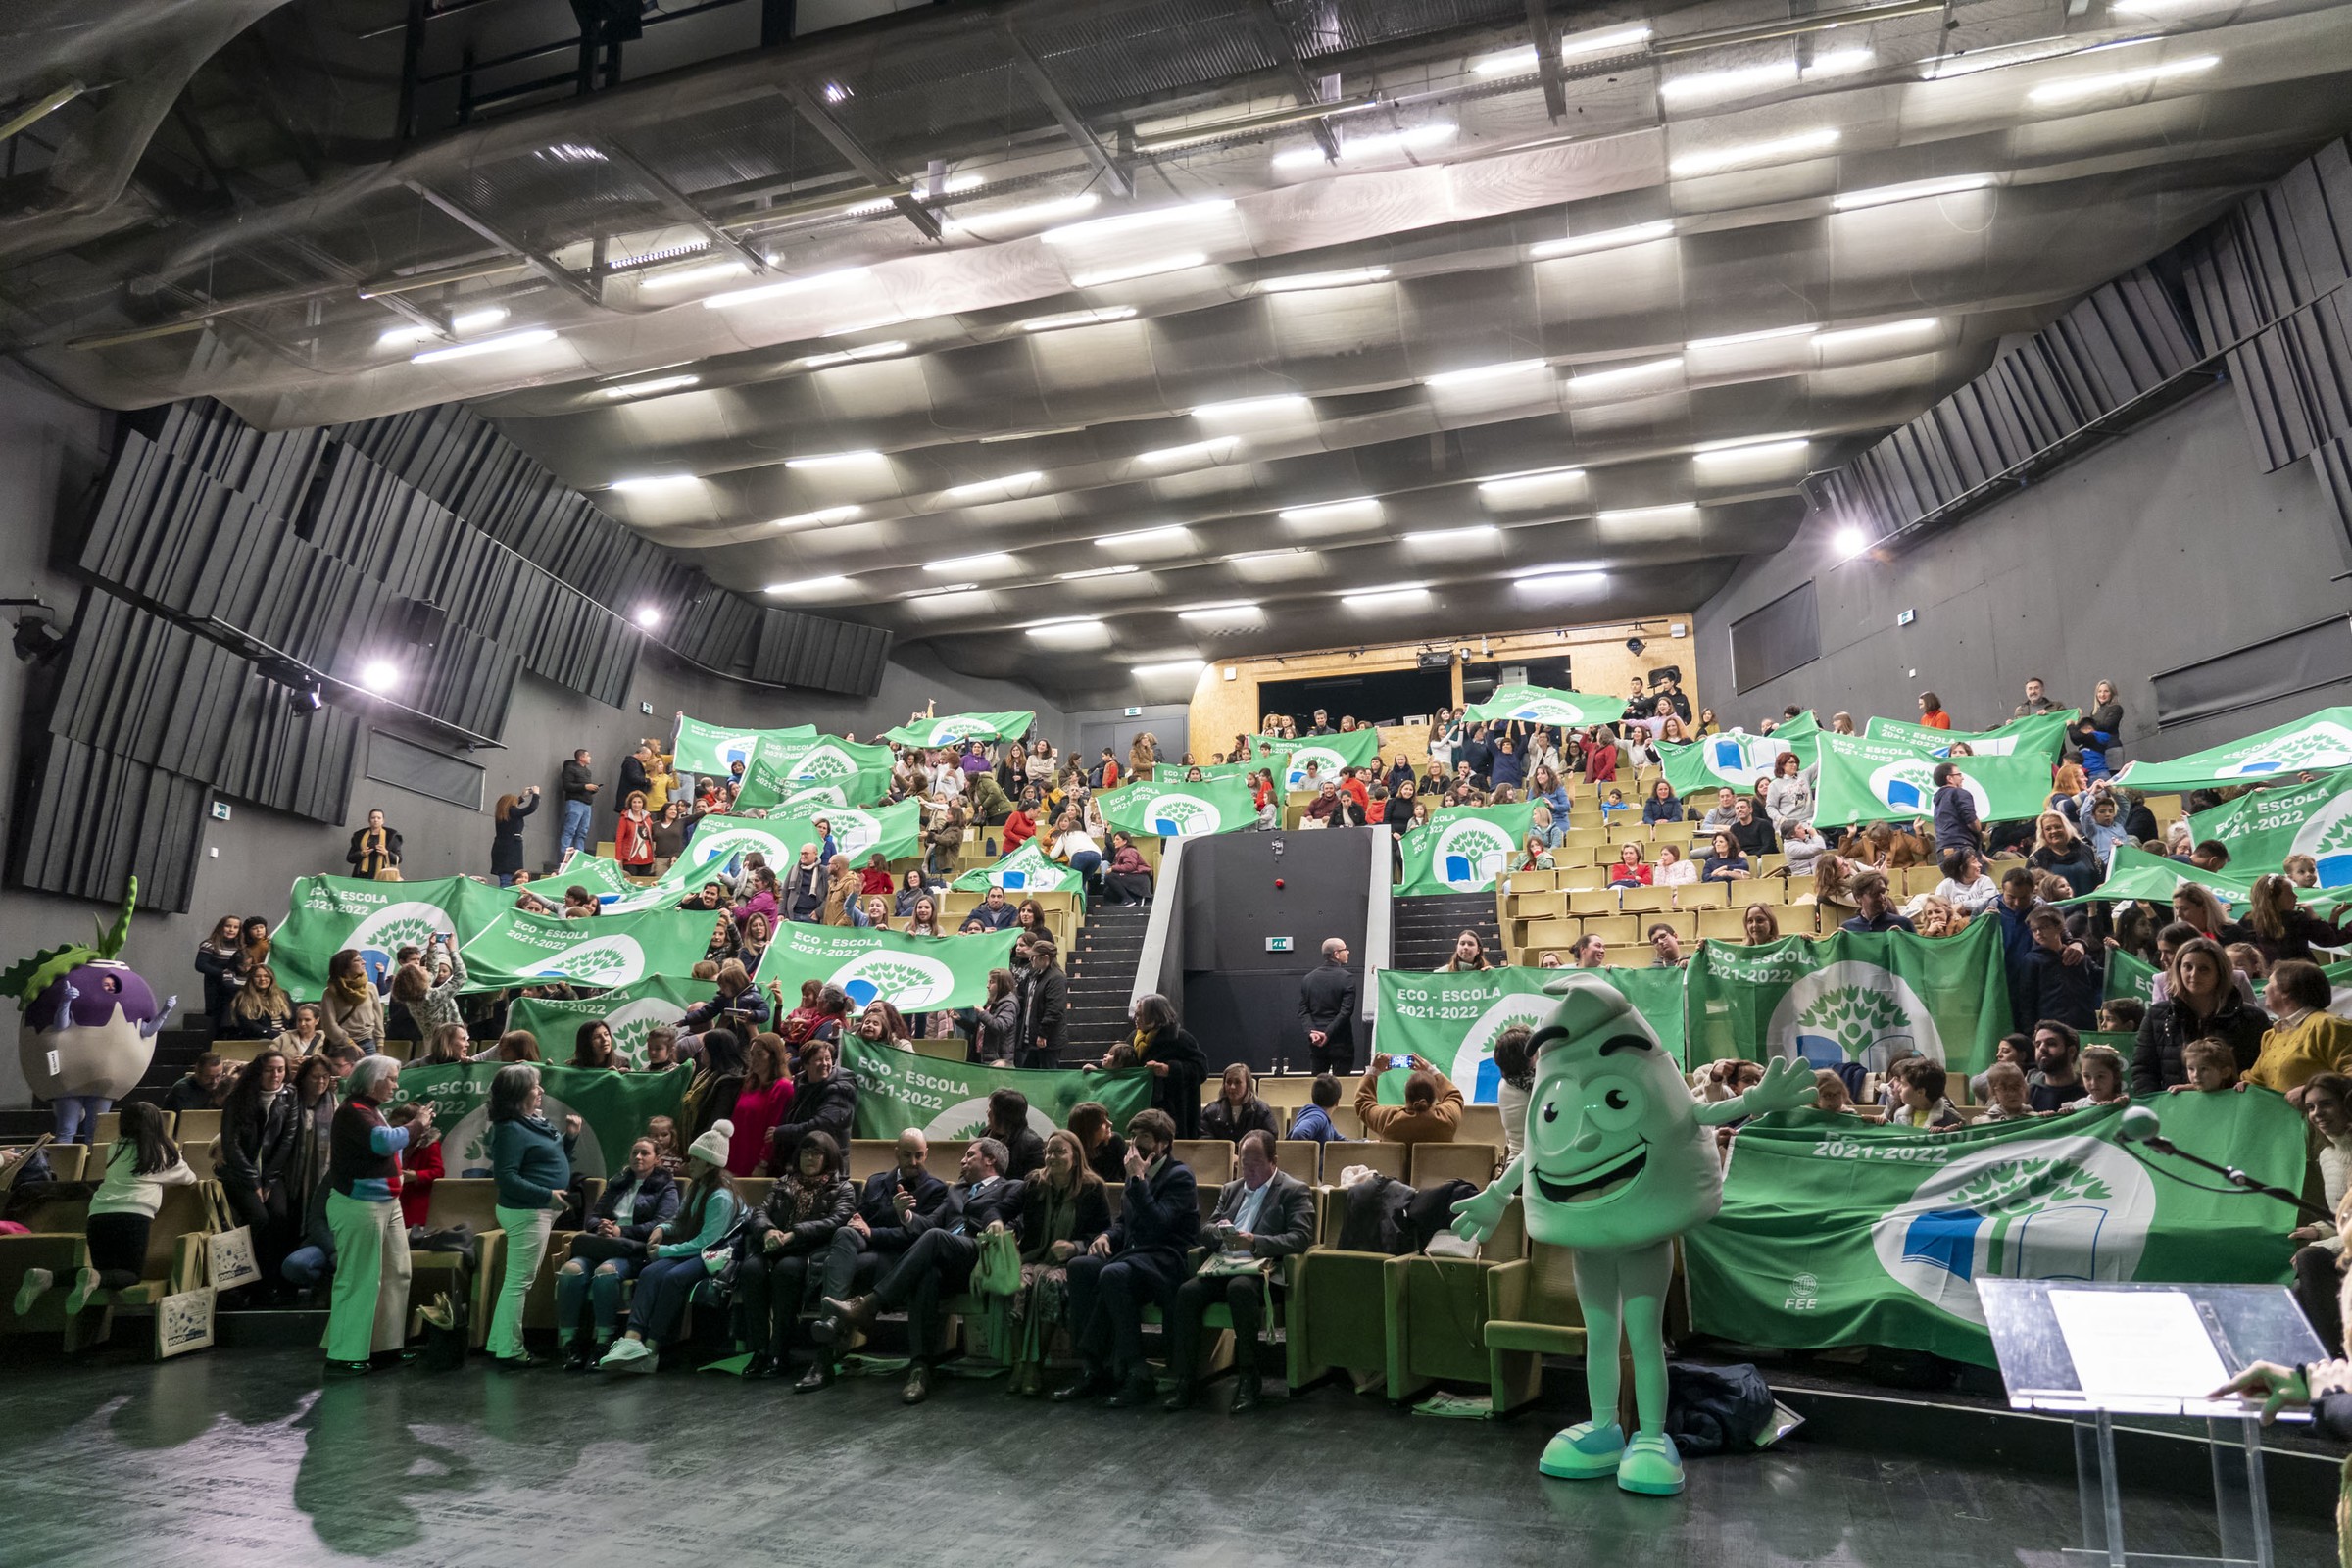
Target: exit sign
x,y
1278,944
1133,712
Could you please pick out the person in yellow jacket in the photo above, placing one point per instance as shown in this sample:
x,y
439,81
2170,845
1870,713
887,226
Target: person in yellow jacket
x,y
2306,1039
660,780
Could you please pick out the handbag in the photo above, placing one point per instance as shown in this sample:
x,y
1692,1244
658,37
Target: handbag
x,y
183,1322
390,873
997,1271
603,1248
228,1261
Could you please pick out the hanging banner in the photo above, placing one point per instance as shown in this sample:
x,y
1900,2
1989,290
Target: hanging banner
x,y
324,914
1358,748
519,948
2262,828
1463,849
902,1089
913,974
953,730
2320,743
1877,780
824,771
1180,810
1851,997
631,1012
2037,735
2128,975
714,749
612,1107
1027,869
1836,1233
1544,705
1454,1019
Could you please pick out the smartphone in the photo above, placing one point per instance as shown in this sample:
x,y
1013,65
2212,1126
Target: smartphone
x,y
1400,1061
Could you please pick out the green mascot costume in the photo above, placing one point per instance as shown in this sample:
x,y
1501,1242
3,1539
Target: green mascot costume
x,y
1618,1162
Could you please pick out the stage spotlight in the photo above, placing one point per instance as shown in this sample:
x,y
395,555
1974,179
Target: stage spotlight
x,y
379,675
1633,645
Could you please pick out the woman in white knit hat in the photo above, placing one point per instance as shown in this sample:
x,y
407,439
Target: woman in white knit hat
x,y
673,1254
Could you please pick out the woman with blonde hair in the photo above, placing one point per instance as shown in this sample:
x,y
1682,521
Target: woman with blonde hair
x,y
259,1010
2279,924
1064,1207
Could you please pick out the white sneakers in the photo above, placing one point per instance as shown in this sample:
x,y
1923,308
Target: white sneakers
x,y
630,1355
37,1280
85,1286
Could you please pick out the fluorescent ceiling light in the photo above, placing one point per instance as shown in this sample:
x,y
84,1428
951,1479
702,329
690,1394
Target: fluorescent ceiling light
x,y
572,151
1601,240
1453,536
943,588
1484,372
1702,344
817,518
1738,442
655,481
871,351
707,273
884,204
1634,516
1754,449
1001,482
1299,283
1172,667
1592,380
1030,435
1034,212
1381,145
1804,144
1129,222
1533,478
827,460
861,327
1324,510
1094,571
987,561
1056,324
1119,274
2074,88
2158,8
523,339
1970,62
788,285
1065,627
1560,569
1262,554
1576,46
1231,608
1538,581
810,585
1217,449
646,389
1170,533
1917,189
1864,335
1255,408
1385,598
1755,78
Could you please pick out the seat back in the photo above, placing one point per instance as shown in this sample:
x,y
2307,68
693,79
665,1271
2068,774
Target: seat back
x,y
1482,1124
182,1211
1390,1160
1301,1158
1210,1159
469,1199
1552,1292
196,1127
870,1156
1433,1164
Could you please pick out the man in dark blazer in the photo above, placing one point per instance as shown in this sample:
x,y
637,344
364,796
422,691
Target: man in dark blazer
x,y
1138,1262
1327,1006
1262,1216
876,1235
1044,1007
944,1246
995,911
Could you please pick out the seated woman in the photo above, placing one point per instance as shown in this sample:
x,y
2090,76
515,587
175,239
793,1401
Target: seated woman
x,y
673,1254
909,890
1104,1151
1674,869
1725,863
1127,879
1064,1208
784,1245
259,1008
825,1099
870,914
1237,1110
140,1164
1534,855
1469,952
1629,872
446,1046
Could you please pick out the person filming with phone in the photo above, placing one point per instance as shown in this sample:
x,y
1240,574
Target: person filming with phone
x,y
1432,1112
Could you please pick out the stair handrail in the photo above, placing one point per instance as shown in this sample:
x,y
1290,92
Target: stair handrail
x,y
1159,968
1379,930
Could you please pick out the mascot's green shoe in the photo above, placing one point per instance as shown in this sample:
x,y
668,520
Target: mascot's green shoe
x,y
1650,1466
1585,1452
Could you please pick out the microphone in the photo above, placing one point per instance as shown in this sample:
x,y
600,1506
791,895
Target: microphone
x,y
2141,1125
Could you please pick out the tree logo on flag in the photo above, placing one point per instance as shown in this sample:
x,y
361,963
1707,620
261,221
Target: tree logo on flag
x,y
1852,1010
1547,710
1470,854
731,748
908,981
380,937
1908,788
2326,837
469,1142
2037,1209
614,960
950,730
1474,1058
824,761
632,1023
967,1119
815,795
854,833
2315,746
726,842
1176,817
1327,764
1740,760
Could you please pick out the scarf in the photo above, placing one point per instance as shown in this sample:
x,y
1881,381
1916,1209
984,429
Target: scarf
x,y
352,992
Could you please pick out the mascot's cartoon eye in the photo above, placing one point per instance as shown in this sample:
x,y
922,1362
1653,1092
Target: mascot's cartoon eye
x,y
1615,1099
1552,1113
1616,1108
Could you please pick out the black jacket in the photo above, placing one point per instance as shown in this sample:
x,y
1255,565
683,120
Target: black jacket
x,y
1091,1218
963,1212
2156,1063
1755,835
577,779
353,854
1179,1092
655,1203
2078,866
835,1201
1327,1002
1160,1216
1218,1120
257,1148
633,780
829,1107
876,1203
506,837
1109,1160
1044,1012
1027,1152
216,966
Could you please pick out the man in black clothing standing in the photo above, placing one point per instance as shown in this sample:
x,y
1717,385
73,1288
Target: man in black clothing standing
x,y
1327,1006
1138,1263
579,798
1045,991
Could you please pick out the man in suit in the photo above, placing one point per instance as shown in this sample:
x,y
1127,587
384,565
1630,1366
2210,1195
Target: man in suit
x,y
942,1249
1139,1261
876,1234
1262,1215
1327,1006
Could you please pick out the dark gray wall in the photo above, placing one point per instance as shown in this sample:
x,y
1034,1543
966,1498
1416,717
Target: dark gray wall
x,y
1240,1001
2166,547
1098,727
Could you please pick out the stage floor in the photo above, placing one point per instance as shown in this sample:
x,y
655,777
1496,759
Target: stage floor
x,y
236,1455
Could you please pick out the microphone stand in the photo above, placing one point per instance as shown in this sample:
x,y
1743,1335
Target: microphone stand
x,y
2236,1178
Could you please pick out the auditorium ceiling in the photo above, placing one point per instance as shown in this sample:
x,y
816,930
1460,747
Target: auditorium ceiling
x,y
1081,338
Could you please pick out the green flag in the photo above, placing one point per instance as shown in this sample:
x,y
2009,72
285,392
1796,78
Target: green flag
x,y
1454,1019
519,948
703,748
953,730
1835,1232
325,914
1463,849
2041,735
1276,763
1027,869
612,1107
1358,748
722,839
1732,761
894,831
1878,780
610,881
1180,810
914,974
2137,873
2128,975
902,1089
824,771
1851,997
2322,742
631,1012
1545,704
2262,828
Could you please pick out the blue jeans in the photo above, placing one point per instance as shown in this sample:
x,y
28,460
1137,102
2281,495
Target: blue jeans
x,y
306,1266
1085,863
595,1285
664,1287
576,835
77,1116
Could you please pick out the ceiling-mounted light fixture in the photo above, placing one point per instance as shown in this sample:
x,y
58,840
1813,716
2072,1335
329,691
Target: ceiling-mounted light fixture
x,y
1094,571
1121,223
1384,144
646,389
817,518
1605,239
1130,271
1301,282
2073,88
1917,326
647,483
1255,408
1802,144
829,460
1618,375
1916,190
1070,319
979,487
788,285
528,337
1485,372
810,585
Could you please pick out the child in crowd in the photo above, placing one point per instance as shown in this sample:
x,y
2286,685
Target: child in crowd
x,y
2248,960
140,1164
2102,1071
1314,1118
2017,1050
1830,1094
2212,1065
1614,806
2005,1093
2122,1015
1923,1105
665,1133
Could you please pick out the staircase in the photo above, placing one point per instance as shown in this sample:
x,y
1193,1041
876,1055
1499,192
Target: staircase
x,y
1424,928
1103,978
